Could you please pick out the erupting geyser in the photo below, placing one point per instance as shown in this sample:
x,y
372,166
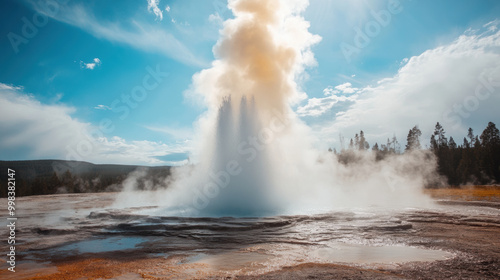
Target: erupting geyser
x,y
248,91
254,156
239,176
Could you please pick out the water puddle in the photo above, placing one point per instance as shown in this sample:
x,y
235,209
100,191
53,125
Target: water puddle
x,y
354,253
231,261
265,257
102,245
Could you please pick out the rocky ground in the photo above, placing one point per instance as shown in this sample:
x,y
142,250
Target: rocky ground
x,y
477,243
468,231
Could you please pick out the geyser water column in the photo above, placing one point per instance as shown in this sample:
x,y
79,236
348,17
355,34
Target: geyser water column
x,y
240,176
248,90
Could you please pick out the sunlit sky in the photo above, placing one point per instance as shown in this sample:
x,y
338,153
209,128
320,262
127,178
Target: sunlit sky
x,y
70,71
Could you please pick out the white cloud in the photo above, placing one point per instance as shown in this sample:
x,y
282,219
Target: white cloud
x,y
167,8
9,87
346,88
318,106
215,19
102,107
139,35
456,84
153,6
91,65
330,91
31,129
27,124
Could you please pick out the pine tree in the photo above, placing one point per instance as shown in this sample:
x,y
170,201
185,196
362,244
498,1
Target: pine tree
x,y
490,152
413,139
362,141
477,143
470,135
490,135
440,137
454,156
466,144
439,145
434,144
395,147
452,143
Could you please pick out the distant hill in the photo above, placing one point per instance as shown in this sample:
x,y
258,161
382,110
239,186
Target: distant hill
x,y
35,177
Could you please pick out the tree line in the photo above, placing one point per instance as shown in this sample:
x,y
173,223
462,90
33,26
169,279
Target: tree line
x,y
475,161
40,177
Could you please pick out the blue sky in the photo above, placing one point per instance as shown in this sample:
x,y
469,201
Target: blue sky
x,y
67,68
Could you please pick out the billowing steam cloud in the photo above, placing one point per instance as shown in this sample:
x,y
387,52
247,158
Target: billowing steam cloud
x,y
255,157
260,54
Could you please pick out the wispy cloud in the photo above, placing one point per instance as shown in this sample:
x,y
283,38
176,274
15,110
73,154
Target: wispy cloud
x,y
153,6
91,65
102,107
57,97
351,78
492,25
177,133
9,87
36,130
142,36
404,61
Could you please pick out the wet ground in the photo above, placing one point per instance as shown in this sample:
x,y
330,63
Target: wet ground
x,y
76,236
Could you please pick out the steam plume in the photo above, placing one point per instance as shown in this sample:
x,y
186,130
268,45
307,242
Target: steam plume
x,y
254,155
